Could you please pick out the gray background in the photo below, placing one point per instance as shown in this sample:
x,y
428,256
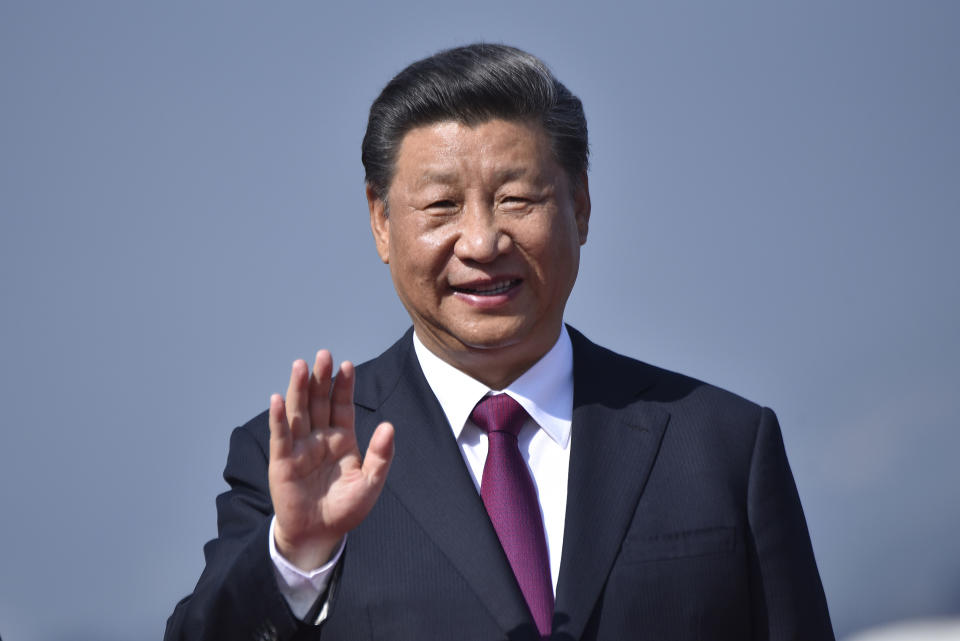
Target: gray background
x,y
776,190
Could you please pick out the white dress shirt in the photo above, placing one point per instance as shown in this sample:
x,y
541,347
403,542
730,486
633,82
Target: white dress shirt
x,y
545,391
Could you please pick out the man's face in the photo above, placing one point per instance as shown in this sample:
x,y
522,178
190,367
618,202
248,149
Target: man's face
x,y
482,235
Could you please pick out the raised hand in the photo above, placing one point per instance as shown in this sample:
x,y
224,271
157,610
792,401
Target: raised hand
x,y
320,486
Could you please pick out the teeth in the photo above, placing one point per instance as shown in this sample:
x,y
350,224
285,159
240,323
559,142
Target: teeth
x,y
491,291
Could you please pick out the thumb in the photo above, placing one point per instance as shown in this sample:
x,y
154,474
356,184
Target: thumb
x,y
376,462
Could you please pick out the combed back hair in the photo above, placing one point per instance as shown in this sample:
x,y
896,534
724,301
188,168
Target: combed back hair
x,y
472,85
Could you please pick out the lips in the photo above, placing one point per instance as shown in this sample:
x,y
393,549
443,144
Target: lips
x,y
490,288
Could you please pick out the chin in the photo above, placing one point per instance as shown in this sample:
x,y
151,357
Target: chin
x,y
492,338
491,344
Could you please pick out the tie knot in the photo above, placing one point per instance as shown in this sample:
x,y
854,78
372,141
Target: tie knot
x,y
499,413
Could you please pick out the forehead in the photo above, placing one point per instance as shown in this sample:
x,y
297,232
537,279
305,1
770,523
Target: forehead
x,y
453,151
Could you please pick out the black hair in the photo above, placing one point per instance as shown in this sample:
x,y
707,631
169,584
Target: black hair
x,y
472,85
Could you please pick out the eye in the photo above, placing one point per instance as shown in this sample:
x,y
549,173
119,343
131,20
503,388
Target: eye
x,y
514,202
442,204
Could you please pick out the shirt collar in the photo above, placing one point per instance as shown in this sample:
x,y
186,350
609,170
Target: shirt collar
x,y
545,390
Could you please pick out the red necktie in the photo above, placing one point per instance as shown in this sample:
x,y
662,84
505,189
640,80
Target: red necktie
x,y
511,501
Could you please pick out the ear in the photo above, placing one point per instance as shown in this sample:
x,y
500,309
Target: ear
x,y
581,207
379,224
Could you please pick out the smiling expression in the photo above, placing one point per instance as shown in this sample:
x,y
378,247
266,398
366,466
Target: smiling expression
x,y
482,235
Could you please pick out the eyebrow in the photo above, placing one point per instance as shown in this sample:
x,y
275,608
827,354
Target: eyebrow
x,y
431,176
512,173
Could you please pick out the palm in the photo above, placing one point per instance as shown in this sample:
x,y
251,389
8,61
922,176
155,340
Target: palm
x,y
320,486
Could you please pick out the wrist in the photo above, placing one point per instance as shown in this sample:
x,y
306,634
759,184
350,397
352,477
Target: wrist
x,y
306,554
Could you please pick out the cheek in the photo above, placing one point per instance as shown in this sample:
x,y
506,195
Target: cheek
x,y
436,243
558,267
420,254
554,251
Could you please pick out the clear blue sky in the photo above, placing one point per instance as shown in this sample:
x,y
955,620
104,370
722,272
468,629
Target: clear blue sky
x,y
776,209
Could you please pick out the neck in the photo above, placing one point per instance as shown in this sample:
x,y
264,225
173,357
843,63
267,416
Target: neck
x,y
495,367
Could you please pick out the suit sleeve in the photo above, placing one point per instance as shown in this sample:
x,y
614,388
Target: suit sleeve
x,y
788,597
237,595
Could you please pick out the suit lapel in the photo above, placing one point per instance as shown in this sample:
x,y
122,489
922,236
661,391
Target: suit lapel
x,y
615,440
430,478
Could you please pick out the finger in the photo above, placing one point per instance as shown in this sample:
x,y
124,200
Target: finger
x,y
376,462
281,441
296,402
320,390
341,401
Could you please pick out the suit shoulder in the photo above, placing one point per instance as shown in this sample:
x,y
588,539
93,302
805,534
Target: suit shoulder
x,y
256,432
258,425
599,368
377,378
675,384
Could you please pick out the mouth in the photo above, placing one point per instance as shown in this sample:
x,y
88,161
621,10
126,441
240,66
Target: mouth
x,y
487,289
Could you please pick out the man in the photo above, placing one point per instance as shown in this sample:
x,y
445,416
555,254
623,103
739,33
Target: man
x,y
518,481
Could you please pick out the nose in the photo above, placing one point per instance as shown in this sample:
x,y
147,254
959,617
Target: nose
x,y
480,238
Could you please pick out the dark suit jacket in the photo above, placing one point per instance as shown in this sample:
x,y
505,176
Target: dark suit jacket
x,y
682,522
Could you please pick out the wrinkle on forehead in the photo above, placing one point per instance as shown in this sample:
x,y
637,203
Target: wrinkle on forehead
x,y
446,153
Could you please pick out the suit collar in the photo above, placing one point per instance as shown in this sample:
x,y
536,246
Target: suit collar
x,y
545,391
598,372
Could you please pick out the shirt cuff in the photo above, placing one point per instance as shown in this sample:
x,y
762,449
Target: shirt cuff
x,y
302,589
